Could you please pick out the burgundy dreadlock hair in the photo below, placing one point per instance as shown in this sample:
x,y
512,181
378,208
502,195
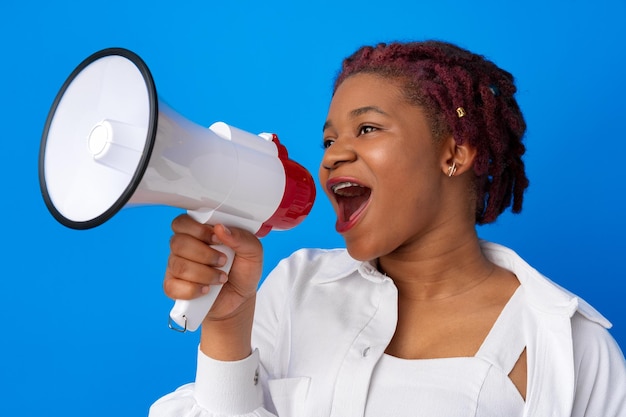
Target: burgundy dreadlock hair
x,y
441,77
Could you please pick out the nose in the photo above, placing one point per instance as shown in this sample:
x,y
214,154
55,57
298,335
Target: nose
x,y
337,154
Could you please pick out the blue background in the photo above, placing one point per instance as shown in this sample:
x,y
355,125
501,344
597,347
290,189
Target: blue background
x,y
84,316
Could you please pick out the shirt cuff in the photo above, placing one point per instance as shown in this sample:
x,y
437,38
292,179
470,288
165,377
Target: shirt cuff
x,y
228,387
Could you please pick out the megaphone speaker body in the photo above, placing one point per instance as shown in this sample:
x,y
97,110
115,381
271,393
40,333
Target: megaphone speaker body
x,y
109,143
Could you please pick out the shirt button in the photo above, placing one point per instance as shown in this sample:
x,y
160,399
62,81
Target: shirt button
x,y
366,352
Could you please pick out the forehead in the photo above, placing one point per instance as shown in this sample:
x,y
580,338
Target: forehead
x,y
363,93
365,87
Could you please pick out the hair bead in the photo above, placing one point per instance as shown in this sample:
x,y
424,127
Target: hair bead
x,y
494,90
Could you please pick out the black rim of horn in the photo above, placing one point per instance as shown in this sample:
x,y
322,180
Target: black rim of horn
x,y
145,158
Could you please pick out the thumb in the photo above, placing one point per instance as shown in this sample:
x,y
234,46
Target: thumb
x,y
244,243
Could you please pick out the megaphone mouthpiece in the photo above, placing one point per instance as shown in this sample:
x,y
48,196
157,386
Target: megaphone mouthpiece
x,y
297,199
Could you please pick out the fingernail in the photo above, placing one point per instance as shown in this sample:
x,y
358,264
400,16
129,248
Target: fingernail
x,y
223,278
227,230
215,240
205,289
221,261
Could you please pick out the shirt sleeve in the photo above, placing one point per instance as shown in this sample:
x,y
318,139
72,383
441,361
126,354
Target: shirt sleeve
x,y
600,371
221,389
240,388
237,388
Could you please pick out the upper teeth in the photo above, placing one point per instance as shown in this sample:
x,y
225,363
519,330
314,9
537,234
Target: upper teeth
x,y
343,185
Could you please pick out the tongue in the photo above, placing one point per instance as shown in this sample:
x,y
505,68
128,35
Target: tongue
x,y
350,205
351,201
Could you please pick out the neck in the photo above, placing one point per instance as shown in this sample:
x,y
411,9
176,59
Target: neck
x,y
438,269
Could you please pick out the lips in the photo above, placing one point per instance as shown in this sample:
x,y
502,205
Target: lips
x,y
352,198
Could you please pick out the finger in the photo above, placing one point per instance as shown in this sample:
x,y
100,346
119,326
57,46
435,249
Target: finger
x,y
184,269
180,289
185,224
188,247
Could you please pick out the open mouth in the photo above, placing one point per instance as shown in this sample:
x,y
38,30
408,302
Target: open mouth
x,y
352,198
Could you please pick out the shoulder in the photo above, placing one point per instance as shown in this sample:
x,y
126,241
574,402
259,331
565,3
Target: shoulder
x,y
543,295
592,341
573,336
600,370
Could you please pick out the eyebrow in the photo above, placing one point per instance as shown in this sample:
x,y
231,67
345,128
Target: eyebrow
x,y
358,112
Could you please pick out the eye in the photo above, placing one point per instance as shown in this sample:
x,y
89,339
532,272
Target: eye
x,y
363,130
326,143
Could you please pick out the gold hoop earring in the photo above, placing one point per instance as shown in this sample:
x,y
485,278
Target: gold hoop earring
x,y
452,169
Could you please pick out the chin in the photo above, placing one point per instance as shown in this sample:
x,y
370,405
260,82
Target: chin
x,y
362,252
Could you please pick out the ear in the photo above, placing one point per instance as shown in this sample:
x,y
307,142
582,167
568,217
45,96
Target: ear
x,y
456,159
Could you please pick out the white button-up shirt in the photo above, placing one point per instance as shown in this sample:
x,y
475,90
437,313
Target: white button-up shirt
x,y
323,320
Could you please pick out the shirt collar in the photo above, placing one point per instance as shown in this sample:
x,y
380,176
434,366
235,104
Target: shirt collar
x,y
341,265
545,295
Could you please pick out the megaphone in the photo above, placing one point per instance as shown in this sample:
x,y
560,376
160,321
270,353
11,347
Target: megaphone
x,y
109,143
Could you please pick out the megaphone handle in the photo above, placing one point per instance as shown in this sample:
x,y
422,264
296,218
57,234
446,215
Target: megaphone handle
x,y
189,314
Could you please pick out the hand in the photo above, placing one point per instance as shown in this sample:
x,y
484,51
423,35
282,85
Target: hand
x,y
192,266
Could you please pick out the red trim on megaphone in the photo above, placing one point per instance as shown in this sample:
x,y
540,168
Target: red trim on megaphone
x,y
297,199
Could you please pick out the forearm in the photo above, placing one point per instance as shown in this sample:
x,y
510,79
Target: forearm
x,y
229,338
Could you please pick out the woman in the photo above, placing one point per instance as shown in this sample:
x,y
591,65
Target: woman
x,y
417,316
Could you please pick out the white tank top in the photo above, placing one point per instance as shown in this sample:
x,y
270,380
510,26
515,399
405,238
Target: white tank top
x,y
476,386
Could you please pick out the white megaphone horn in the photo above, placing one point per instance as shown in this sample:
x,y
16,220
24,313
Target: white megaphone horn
x,y
109,142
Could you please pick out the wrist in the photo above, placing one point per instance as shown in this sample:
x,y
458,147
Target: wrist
x,y
229,338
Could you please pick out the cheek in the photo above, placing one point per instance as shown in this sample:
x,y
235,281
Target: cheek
x,y
323,177
410,187
398,171
322,174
